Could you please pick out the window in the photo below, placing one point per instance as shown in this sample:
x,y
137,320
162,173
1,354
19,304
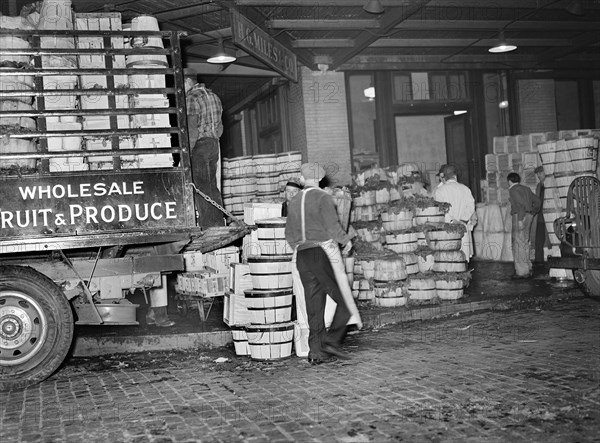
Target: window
x,y
429,86
362,118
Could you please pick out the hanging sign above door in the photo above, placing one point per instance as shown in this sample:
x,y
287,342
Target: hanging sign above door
x,y
252,39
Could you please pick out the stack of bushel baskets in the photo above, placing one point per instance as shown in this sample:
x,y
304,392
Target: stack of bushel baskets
x,y
404,252
270,333
148,100
259,178
238,184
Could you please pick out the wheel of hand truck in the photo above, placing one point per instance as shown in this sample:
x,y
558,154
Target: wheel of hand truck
x,y
591,284
36,326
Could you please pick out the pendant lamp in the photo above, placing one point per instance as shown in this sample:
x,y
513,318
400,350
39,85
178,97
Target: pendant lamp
x,y
222,55
373,7
502,46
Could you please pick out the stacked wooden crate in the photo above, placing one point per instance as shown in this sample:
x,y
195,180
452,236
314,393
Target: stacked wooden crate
x,y
60,19
9,84
252,212
522,154
104,22
513,153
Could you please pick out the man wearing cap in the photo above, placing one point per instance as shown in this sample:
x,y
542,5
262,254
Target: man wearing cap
x,y
523,205
313,226
291,189
440,176
462,205
541,237
204,111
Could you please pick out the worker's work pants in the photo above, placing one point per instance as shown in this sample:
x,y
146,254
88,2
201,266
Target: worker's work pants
x,y
318,279
302,325
204,160
520,244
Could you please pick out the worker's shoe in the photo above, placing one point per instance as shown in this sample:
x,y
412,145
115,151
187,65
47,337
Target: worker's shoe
x,y
335,351
158,317
521,276
319,360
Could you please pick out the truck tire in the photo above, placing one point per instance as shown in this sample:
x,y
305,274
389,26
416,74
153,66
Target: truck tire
x,y
591,284
36,327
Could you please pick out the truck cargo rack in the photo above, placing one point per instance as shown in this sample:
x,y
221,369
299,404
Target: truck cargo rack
x,y
95,175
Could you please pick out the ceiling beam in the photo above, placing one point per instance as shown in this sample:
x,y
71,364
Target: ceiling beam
x,y
208,36
533,4
462,42
413,66
186,11
506,59
300,24
438,58
433,24
495,25
323,43
391,18
582,41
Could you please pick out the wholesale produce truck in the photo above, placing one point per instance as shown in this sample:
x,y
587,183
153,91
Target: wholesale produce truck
x,y
96,194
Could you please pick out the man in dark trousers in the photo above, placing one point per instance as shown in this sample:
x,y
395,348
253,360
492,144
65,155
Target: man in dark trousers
x,y
204,111
312,225
523,205
541,234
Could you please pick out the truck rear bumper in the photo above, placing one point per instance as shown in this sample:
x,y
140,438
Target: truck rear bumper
x,y
574,263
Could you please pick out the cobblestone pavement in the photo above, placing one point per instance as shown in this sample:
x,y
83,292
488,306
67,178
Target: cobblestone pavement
x,y
523,375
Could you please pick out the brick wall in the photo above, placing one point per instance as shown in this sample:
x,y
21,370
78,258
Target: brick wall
x,y
537,107
326,116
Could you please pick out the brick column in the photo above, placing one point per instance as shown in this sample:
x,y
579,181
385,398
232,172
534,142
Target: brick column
x,y
537,106
326,116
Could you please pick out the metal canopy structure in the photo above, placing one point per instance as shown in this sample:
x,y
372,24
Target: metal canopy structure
x,y
408,35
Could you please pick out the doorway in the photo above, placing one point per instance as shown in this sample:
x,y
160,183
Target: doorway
x,y
459,151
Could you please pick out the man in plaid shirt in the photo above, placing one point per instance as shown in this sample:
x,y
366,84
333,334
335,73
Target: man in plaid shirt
x,y
205,127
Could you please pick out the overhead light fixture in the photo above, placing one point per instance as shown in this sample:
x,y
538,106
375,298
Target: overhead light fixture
x,y
575,8
222,55
373,7
502,45
460,111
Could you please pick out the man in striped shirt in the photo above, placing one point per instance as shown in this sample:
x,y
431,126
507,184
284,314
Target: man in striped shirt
x,y
204,111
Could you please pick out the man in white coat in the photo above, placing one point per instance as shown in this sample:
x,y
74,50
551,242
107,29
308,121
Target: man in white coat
x,y
462,205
